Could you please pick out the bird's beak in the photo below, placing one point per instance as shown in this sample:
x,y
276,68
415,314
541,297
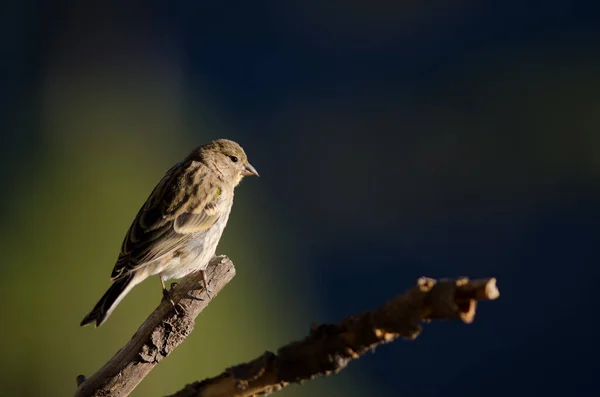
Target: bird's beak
x,y
249,170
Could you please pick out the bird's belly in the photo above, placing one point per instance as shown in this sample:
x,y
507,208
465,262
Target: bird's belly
x,y
194,256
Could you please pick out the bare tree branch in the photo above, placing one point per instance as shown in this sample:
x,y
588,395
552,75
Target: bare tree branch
x,y
330,347
158,336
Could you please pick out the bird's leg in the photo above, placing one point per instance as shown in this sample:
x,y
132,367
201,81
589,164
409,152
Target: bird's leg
x,y
203,276
167,293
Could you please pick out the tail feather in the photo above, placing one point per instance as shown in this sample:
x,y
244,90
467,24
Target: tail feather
x,y
109,300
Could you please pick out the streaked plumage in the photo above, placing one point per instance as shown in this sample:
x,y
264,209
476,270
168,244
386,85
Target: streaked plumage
x,y
177,230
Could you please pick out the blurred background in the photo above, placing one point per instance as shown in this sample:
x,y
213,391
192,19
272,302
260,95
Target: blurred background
x,y
394,140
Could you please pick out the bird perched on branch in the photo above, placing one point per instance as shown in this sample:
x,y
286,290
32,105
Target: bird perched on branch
x,y
177,230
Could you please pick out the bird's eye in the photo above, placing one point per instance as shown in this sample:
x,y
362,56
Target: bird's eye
x,y
233,158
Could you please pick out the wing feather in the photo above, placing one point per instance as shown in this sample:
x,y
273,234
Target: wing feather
x,y
183,203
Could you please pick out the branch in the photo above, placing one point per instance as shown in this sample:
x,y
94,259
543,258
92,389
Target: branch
x,y
330,347
158,336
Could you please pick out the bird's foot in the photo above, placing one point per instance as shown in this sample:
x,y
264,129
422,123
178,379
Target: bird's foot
x,y
205,282
167,295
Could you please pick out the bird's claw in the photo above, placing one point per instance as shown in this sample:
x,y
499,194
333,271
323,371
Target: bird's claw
x,y
167,293
205,282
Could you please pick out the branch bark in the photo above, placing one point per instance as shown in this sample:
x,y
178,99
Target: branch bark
x,y
158,336
330,347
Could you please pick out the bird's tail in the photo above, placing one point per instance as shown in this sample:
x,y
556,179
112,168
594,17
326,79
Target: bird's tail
x,y
110,300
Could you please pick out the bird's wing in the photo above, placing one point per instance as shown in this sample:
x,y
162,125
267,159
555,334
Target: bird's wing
x,y
184,202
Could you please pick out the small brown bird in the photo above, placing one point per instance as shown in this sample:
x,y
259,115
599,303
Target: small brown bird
x,y
177,230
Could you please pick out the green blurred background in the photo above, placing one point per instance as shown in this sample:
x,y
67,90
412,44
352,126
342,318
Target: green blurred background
x,y
393,141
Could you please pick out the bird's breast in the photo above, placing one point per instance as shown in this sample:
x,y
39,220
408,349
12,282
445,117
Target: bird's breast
x,y
196,254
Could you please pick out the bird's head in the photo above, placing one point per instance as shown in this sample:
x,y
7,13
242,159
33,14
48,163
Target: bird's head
x,y
227,158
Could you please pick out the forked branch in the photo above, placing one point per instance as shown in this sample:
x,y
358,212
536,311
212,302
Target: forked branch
x,y
326,350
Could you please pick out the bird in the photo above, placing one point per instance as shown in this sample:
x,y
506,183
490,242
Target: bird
x,y
177,230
